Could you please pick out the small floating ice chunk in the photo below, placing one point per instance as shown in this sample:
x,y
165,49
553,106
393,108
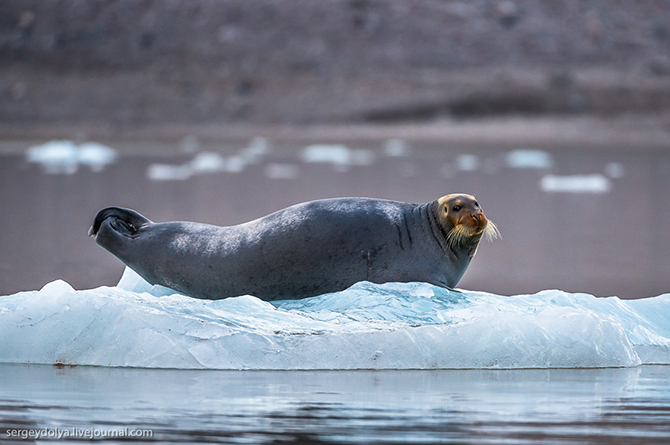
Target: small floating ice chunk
x,y
396,148
525,158
64,157
467,162
337,154
258,147
208,162
333,154
595,183
202,163
235,164
615,170
165,172
282,171
96,156
55,157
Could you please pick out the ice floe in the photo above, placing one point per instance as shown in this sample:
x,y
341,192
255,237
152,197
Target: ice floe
x,y
368,326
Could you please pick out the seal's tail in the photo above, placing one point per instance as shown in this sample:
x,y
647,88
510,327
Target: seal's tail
x,y
125,220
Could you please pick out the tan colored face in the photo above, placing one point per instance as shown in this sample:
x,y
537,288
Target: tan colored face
x,y
462,212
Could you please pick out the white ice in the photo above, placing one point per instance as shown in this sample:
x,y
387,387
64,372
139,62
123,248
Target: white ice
x,y
208,162
368,326
467,162
282,171
341,156
528,158
595,183
64,157
396,148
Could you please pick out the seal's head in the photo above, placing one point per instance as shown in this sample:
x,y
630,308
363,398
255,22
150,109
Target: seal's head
x,y
462,220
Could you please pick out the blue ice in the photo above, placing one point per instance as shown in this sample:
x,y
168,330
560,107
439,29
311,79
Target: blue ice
x,y
368,326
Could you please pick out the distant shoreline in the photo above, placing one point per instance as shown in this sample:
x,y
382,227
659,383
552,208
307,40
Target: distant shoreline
x,y
636,132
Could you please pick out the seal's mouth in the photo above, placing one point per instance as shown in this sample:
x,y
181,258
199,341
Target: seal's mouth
x,y
471,230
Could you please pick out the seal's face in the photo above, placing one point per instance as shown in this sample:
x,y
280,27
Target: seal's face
x,y
463,220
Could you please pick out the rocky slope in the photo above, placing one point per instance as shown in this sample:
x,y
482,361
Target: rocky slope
x,y
132,63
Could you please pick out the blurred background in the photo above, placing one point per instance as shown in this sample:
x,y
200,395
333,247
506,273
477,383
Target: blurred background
x,y
556,114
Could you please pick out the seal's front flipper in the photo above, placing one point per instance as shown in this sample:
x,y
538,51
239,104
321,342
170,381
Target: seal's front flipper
x,y
124,221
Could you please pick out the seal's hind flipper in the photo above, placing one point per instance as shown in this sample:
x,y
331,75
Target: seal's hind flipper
x,y
125,220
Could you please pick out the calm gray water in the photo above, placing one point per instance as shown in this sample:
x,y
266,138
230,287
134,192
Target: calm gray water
x,y
580,220
512,406
585,221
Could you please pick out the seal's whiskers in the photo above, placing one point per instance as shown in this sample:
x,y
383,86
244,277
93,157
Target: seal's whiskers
x,y
461,234
458,235
491,231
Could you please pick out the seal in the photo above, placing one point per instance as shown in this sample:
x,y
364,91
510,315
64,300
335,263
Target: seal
x,y
304,250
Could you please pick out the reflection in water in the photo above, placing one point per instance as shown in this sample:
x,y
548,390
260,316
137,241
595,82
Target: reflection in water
x,y
523,406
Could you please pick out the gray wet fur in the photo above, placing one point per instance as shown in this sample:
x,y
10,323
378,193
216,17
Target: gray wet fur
x,y
301,251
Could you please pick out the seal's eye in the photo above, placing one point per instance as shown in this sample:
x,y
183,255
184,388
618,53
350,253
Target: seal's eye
x,y
476,204
456,208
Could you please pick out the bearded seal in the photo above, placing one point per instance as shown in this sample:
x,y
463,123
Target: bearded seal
x,y
304,250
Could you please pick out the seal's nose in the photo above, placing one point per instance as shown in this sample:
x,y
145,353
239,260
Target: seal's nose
x,y
479,220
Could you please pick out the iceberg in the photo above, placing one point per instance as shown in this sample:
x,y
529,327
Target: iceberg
x,y
368,326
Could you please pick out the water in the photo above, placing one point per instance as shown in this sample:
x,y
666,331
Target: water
x,y
572,219
629,405
576,219
384,323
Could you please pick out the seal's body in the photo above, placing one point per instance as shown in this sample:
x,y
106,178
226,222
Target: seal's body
x,y
304,250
